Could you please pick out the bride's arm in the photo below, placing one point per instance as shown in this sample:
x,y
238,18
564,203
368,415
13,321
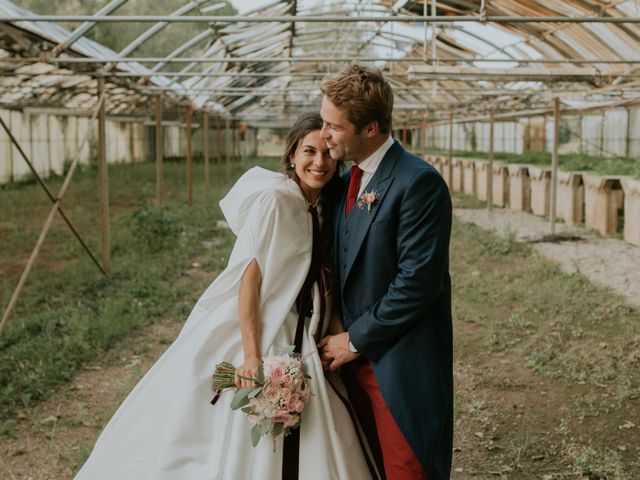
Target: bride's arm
x,y
249,314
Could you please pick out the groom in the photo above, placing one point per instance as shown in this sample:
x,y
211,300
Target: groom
x,y
391,243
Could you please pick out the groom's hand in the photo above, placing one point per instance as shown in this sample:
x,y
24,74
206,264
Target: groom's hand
x,y
335,352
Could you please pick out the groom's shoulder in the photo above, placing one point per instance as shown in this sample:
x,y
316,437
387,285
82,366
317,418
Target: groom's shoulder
x,y
412,166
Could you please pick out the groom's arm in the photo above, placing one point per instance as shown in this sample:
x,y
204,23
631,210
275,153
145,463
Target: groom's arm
x,y
424,230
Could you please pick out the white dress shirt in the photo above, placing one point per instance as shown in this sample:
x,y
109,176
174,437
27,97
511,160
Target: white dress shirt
x,y
370,164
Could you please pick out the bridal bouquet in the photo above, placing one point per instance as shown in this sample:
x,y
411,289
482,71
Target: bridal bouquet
x,y
275,404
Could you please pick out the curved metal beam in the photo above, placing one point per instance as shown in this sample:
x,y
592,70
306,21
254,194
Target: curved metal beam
x,y
83,29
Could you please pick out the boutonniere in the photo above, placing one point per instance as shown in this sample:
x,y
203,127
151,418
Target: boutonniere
x,y
367,199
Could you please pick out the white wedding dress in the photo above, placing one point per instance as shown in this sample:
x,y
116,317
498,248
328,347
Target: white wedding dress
x,y
166,429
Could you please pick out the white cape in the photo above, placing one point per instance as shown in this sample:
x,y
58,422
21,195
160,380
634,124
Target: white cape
x,y
166,429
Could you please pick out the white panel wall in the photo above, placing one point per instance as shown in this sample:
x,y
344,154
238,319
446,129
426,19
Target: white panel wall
x,y
20,128
39,137
592,133
56,144
615,132
634,132
518,145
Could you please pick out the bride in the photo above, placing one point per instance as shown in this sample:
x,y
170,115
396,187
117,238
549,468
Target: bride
x,y
167,429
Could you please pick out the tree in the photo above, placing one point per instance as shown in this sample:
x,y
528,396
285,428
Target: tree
x,y
118,35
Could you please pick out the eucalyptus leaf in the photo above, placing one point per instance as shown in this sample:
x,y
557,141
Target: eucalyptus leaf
x,y
255,435
278,427
265,426
260,375
240,399
255,392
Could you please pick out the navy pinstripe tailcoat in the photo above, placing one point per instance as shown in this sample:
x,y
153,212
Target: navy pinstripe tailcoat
x,y
392,268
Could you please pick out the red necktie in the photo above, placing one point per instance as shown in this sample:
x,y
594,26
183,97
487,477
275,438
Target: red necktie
x,y
354,187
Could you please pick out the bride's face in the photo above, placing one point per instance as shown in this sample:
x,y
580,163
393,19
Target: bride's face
x,y
313,164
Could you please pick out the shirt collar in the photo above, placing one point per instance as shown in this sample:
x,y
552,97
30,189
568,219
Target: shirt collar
x,y
370,164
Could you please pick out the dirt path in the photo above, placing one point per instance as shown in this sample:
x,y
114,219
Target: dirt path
x,y
608,262
53,440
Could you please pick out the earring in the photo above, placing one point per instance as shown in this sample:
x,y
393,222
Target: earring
x,y
291,166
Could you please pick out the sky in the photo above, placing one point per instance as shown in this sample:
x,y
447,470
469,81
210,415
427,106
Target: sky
x,y
245,5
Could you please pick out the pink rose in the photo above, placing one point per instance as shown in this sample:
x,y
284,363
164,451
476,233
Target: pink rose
x,y
271,392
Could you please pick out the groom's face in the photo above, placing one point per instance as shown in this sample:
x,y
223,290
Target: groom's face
x,y
340,134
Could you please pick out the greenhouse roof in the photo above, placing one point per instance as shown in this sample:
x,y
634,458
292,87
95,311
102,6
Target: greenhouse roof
x,y
460,58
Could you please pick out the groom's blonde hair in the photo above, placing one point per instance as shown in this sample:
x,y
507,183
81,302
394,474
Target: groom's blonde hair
x,y
365,95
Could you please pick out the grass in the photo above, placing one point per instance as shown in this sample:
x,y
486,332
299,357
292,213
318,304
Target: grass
x,y
68,313
552,359
547,378
567,162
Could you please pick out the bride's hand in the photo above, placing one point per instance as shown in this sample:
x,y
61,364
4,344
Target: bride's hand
x,y
249,369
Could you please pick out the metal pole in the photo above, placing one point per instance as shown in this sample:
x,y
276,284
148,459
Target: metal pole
x,y
554,165
205,150
490,172
317,19
103,180
189,158
159,151
303,59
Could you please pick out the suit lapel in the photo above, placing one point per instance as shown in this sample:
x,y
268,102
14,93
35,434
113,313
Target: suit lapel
x,y
338,221
360,219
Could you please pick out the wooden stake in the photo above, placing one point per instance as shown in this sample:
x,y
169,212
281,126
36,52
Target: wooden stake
x,y
554,165
450,148
227,143
205,151
235,132
56,208
490,172
103,180
218,151
159,152
189,158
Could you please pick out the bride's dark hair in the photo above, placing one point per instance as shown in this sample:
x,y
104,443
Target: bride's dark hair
x,y
305,124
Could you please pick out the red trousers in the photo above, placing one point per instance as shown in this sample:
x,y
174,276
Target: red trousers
x,y
384,437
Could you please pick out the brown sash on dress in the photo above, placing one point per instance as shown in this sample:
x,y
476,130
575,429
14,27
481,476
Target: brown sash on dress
x,y
304,304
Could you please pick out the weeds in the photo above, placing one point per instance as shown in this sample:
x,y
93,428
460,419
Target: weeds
x,y
68,312
553,357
